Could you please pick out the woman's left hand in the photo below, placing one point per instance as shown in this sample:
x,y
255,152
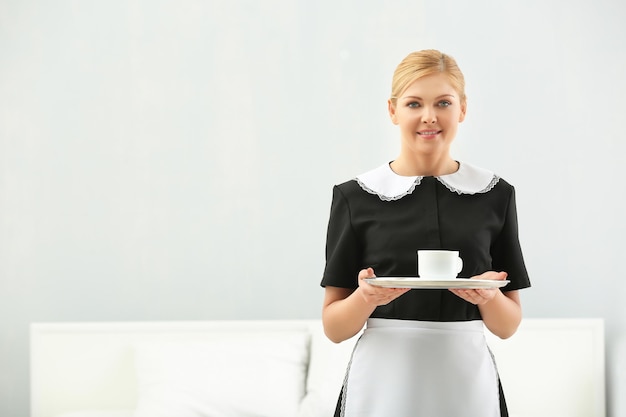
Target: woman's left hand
x,y
480,296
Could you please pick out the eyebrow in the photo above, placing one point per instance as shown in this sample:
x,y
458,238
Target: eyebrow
x,y
419,98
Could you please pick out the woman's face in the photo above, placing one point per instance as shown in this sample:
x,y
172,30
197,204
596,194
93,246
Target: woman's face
x,y
428,113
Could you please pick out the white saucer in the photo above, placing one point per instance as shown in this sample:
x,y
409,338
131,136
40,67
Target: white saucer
x,y
414,282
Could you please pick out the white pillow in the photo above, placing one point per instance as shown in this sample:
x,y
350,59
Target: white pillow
x,y
328,365
238,374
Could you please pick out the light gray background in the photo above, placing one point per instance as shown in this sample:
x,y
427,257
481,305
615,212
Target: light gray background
x,y
173,160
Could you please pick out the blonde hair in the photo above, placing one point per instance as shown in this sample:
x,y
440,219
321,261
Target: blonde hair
x,y
426,62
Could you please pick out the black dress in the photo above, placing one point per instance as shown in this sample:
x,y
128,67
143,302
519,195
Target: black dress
x,y
381,220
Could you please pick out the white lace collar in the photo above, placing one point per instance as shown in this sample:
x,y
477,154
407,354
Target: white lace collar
x,y
390,186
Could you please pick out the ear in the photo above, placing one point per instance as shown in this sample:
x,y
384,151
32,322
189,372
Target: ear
x,y
392,112
463,111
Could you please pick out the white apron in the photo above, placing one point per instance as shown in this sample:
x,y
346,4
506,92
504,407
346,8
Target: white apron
x,y
409,368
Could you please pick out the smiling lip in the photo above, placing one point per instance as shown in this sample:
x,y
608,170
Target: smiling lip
x,y
429,133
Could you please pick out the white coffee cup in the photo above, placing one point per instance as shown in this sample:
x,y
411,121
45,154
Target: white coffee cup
x,y
438,264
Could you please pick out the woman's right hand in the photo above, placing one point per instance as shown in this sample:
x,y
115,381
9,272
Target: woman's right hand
x,y
375,295
346,311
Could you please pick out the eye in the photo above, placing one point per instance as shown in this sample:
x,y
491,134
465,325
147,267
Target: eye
x,y
413,105
444,103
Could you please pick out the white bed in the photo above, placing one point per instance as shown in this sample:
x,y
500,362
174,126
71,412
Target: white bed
x,y
550,368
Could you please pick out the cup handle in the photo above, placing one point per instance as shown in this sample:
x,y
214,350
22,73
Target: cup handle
x,y
459,265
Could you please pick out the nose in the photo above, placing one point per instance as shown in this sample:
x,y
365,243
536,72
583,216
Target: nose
x,y
429,116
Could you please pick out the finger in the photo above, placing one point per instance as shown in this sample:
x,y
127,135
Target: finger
x,y
493,275
366,273
468,295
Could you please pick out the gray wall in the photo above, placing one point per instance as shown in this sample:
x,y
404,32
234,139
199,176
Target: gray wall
x,y
173,160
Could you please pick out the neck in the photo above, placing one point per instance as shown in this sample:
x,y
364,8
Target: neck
x,y
424,166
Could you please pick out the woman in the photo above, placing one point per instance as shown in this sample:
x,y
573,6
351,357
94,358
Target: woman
x,y
423,352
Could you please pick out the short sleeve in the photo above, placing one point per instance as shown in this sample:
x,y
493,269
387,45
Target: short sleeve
x,y
506,250
342,248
